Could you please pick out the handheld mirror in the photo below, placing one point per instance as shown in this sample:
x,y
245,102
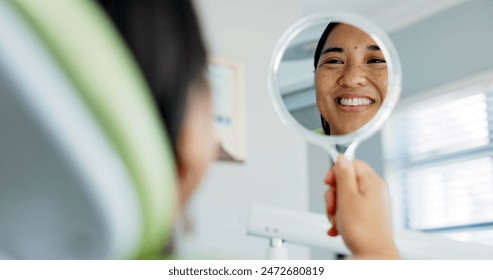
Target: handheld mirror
x,y
334,80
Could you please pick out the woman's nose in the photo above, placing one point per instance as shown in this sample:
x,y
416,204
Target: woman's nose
x,y
353,76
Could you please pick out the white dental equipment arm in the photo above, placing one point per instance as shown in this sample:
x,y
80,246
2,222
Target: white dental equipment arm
x,y
310,229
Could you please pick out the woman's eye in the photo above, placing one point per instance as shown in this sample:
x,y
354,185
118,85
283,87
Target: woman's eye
x,y
376,60
333,61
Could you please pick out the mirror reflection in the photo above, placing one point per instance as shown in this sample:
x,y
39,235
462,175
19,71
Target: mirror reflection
x,y
350,78
333,78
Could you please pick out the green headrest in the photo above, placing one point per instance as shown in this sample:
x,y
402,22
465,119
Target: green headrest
x,y
87,47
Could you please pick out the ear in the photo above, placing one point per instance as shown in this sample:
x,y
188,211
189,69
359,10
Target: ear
x,y
184,169
181,171
196,146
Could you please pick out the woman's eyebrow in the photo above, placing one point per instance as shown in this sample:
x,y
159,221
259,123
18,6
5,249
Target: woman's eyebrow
x,y
336,49
373,48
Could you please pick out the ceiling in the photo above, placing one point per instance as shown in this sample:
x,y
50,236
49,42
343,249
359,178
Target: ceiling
x,y
389,14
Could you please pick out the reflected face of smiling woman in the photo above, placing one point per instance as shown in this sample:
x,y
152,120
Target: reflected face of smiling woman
x,y
350,79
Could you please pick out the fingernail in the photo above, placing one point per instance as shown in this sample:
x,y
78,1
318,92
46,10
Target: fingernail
x,y
343,162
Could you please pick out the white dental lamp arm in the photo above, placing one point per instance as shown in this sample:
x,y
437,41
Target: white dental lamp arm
x,y
295,227
310,229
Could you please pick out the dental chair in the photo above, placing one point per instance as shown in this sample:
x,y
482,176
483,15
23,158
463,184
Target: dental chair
x,y
86,170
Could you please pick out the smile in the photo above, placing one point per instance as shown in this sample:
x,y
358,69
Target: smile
x,y
360,101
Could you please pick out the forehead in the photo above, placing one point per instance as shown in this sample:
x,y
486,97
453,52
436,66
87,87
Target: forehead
x,y
345,35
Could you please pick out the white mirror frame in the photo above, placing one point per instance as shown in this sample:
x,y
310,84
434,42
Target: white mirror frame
x,y
349,141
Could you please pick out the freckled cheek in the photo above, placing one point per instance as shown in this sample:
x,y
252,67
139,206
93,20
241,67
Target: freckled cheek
x,y
380,82
324,92
326,85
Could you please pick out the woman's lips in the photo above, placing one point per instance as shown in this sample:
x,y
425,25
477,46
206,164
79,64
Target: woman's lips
x,y
354,104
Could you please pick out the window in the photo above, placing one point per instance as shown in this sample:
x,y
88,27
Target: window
x,y
439,154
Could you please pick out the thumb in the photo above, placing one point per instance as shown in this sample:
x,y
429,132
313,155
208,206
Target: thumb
x,y
345,176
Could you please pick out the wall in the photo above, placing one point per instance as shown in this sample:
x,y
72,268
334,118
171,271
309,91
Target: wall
x,y
448,46
275,168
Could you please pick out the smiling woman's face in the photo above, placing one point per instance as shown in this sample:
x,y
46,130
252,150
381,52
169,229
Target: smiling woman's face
x,y
350,79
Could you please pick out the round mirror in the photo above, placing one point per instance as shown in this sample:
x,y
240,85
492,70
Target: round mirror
x,y
334,80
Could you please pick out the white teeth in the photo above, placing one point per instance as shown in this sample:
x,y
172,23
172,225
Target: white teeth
x,y
355,101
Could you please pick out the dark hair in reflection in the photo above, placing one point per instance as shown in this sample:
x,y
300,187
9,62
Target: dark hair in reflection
x,y
318,51
321,42
165,38
325,126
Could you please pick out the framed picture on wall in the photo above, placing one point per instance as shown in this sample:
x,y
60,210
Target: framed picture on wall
x,y
227,83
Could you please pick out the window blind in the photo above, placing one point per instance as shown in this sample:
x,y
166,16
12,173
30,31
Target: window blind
x,y
439,153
